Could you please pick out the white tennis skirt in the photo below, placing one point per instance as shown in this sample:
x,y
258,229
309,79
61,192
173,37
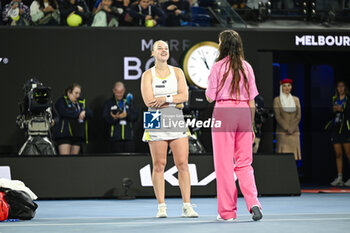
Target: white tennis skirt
x,y
170,126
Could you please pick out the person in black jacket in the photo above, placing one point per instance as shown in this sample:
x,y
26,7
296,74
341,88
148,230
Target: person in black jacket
x,y
177,12
120,113
145,11
78,7
339,127
71,128
125,19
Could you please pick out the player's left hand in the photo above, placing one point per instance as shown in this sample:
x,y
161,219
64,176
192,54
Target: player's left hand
x,y
159,101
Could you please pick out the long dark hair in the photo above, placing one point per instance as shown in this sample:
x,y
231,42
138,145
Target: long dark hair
x,y
231,45
346,91
70,88
52,3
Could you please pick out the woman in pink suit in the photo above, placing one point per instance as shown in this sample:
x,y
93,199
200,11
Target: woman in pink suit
x,y
232,85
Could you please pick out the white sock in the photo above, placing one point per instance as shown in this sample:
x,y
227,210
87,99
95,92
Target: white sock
x,y
187,204
340,176
161,204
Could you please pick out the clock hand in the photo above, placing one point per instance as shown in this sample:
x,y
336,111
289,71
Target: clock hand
x,y
205,61
206,64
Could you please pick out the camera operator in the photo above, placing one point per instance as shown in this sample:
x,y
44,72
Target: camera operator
x,y
120,113
71,129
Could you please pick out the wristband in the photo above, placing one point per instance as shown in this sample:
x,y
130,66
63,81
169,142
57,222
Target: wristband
x,y
169,98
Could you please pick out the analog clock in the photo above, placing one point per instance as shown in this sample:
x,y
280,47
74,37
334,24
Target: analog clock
x,y
198,61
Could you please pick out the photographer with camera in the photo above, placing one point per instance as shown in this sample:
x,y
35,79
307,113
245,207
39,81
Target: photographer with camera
x,y
72,128
120,113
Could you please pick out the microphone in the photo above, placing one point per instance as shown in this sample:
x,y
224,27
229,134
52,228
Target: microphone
x,y
129,98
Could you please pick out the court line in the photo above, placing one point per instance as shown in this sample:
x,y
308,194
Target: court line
x,y
167,222
213,216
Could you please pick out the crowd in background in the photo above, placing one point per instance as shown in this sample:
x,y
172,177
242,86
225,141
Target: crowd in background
x,y
291,4
145,13
100,13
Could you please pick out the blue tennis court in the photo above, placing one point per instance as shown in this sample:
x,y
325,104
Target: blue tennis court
x,y
306,213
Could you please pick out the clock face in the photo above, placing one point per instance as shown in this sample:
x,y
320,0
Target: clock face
x,y
198,62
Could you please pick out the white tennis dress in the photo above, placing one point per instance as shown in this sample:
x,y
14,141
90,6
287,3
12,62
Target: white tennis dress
x,y
170,116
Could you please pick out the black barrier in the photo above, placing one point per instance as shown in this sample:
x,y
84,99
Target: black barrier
x,y
101,176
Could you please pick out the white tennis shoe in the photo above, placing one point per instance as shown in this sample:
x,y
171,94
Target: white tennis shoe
x,y
188,211
338,182
225,220
161,211
347,183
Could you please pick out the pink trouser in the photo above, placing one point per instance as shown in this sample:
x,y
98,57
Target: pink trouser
x,y
232,147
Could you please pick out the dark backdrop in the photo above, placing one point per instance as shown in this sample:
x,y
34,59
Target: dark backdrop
x,y
95,58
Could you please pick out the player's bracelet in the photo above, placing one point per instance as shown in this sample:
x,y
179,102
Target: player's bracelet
x,y
169,98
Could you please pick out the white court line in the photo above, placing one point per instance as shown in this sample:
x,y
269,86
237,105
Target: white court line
x,y
161,222
213,216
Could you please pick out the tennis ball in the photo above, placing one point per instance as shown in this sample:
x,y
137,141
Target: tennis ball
x,y
74,20
149,23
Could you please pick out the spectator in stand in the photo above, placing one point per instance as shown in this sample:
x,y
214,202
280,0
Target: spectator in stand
x,y
0,12
124,18
156,2
107,15
74,13
16,13
71,129
45,12
119,113
178,12
146,14
25,2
